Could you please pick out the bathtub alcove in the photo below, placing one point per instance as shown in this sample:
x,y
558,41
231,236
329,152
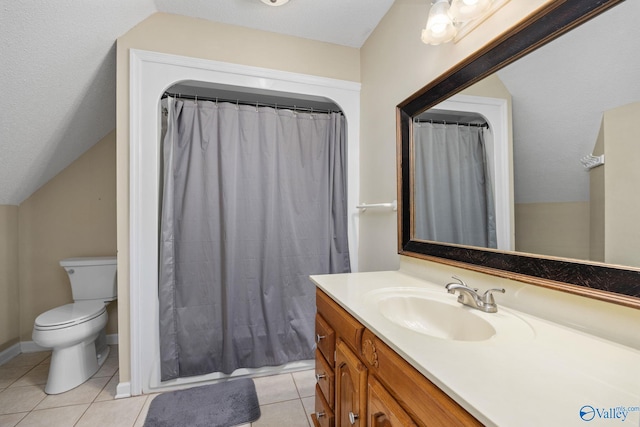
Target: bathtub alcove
x,y
151,74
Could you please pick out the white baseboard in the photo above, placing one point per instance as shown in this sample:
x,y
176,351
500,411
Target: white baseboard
x,y
123,390
9,353
31,347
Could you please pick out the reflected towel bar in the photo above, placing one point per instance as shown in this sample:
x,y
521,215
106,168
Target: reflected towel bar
x,y
590,161
364,206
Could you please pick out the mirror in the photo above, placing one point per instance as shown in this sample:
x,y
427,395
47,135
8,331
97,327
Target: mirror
x,y
552,265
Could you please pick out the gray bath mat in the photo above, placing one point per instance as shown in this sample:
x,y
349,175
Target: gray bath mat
x,y
219,405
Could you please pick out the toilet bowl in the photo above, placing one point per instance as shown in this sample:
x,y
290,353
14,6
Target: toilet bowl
x,y
76,332
71,331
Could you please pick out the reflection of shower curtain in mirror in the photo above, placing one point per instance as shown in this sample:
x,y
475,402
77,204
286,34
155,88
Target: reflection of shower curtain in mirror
x,y
253,203
453,190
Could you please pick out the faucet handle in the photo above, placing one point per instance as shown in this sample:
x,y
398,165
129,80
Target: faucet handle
x,y
461,282
487,297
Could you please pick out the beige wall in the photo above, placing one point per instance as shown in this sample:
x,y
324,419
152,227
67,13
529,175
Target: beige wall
x,y
73,215
9,288
555,229
622,204
395,64
203,39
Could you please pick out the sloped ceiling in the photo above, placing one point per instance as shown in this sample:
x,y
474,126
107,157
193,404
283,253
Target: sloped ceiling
x,y
58,68
58,81
560,93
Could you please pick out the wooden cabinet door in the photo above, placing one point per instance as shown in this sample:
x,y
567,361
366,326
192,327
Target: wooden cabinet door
x,y
382,408
351,388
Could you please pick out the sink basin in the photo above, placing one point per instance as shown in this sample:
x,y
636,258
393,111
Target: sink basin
x,y
436,318
438,315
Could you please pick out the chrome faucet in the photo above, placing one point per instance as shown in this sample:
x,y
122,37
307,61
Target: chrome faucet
x,y
470,297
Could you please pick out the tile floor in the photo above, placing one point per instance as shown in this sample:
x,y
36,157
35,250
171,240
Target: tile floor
x,y
284,399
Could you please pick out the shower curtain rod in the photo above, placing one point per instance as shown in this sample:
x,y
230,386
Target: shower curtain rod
x,y
445,122
253,104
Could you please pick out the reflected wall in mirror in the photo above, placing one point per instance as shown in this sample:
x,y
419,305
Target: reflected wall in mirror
x,y
578,95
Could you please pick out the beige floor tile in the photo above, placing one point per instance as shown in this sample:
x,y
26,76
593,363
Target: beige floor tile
x,y
110,390
309,405
113,413
290,414
46,361
84,393
9,374
305,382
12,419
66,416
28,359
20,399
276,388
145,410
35,376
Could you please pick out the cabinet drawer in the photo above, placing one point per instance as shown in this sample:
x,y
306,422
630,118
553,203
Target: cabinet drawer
x,y
382,408
325,379
326,339
345,326
323,416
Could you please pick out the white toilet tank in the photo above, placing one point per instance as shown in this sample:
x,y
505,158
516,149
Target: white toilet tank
x,y
92,278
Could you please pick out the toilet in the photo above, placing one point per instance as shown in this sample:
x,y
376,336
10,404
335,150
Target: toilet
x,y
76,332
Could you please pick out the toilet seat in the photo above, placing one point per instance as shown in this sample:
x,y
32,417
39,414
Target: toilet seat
x,y
69,315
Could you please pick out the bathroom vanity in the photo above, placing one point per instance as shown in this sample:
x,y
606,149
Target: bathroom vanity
x,y
359,376
395,350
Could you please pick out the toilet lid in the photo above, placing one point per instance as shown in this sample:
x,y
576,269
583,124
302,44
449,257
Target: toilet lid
x,y
70,314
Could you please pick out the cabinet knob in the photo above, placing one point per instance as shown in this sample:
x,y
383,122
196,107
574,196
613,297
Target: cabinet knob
x,y
319,337
320,414
320,376
353,417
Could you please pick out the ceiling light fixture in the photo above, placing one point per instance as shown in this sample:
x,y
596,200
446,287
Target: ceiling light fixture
x,y
275,2
453,19
440,28
467,10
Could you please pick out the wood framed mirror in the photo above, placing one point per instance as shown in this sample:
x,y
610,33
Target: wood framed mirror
x,y
610,282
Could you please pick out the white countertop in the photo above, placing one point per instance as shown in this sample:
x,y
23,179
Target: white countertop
x,y
542,378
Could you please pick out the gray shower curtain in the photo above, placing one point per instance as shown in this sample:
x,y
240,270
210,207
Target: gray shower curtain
x,y
254,201
454,200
